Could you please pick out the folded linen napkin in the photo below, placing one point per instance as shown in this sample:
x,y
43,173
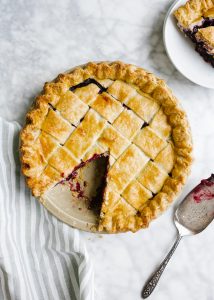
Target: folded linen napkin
x,y
40,257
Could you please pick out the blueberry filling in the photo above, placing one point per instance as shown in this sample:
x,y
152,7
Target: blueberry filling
x,y
52,106
96,201
87,82
124,105
144,125
191,33
200,47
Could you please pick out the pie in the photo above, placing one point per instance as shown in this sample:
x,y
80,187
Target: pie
x,y
119,111
196,20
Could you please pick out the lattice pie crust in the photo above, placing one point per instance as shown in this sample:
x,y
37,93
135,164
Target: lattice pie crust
x,y
121,109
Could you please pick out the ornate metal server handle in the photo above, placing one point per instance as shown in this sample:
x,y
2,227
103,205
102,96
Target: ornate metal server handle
x,y
152,282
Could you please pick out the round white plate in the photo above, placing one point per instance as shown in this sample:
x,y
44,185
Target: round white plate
x,y
182,54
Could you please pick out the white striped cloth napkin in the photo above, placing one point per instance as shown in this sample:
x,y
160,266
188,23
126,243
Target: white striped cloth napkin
x,y
40,257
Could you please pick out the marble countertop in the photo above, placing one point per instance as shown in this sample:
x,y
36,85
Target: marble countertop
x,y
40,39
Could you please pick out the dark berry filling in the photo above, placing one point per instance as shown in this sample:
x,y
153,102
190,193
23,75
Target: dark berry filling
x,y
191,33
128,108
200,47
144,125
52,106
87,82
96,201
204,191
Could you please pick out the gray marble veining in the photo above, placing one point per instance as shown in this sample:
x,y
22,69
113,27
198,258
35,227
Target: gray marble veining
x,y
38,40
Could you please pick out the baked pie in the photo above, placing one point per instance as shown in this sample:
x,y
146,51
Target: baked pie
x,y
119,111
196,20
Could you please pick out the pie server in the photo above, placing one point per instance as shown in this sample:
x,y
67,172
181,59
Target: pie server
x,y
191,217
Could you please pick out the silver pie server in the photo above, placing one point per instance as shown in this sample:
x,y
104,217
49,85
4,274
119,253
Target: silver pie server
x,y
191,217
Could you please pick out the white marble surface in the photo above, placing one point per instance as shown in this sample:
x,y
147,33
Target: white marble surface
x,y
39,39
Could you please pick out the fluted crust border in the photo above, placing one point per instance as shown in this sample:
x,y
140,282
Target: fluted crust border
x,y
147,83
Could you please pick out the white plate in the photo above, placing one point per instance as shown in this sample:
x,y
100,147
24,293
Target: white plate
x,y
182,54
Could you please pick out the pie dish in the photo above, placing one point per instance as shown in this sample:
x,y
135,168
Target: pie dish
x,y
196,20
118,111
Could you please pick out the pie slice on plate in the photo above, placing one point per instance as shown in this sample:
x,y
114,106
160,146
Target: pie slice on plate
x,y
118,112
196,20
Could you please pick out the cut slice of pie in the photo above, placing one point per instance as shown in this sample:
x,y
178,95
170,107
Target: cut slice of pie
x,y
205,43
124,114
196,20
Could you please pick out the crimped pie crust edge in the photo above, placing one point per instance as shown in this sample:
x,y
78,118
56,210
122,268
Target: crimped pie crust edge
x,y
147,83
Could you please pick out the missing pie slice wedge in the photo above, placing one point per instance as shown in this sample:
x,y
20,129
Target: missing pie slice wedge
x,y
118,112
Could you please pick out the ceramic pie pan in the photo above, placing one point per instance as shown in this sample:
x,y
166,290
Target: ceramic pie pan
x,y
74,211
182,54
68,206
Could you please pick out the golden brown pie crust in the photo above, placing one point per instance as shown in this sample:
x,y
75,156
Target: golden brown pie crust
x,y
117,214
206,35
193,11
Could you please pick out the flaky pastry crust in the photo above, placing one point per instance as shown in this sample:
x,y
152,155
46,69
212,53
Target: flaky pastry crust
x,y
193,11
206,35
117,215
